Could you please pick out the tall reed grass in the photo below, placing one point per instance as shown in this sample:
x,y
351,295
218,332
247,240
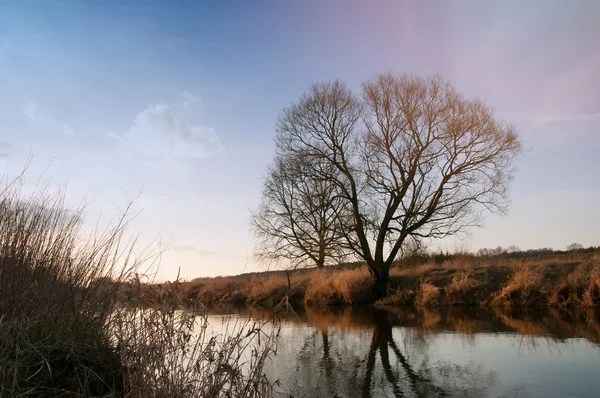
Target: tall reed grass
x,y
62,332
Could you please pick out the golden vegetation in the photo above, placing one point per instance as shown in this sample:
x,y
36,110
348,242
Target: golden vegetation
x,y
429,295
462,290
567,281
341,287
592,295
526,288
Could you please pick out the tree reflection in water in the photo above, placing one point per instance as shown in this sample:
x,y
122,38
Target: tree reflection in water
x,y
335,363
373,352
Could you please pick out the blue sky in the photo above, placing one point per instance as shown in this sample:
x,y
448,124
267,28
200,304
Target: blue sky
x,y
178,100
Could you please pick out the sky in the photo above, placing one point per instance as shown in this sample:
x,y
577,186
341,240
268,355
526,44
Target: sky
x,y
174,104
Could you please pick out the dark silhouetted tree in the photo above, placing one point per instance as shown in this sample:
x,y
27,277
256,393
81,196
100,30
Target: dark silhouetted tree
x,y
409,157
298,217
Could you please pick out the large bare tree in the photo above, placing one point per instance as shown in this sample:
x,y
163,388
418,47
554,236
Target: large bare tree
x,y
413,158
299,216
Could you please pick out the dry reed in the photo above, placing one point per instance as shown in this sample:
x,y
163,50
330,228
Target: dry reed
x,y
62,333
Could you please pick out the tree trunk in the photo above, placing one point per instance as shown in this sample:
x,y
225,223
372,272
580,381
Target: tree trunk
x,y
382,282
320,263
321,259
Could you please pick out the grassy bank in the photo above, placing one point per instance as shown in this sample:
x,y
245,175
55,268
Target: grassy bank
x,y
63,334
555,279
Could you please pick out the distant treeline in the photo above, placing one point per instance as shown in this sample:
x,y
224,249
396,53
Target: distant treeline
x,y
511,252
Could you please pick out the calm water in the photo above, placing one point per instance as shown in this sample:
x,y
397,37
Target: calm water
x,y
456,352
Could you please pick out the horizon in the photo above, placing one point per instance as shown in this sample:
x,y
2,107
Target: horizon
x,y
175,105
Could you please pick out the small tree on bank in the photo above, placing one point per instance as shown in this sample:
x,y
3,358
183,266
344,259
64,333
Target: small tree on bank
x,y
298,217
410,157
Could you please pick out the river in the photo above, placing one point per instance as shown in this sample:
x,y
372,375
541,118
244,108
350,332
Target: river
x,y
462,352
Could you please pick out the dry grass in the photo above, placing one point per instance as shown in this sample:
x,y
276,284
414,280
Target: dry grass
x,y
271,289
172,351
592,294
457,263
62,333
526,288
462,280
463,290
56,296
429,295
341,287
571,290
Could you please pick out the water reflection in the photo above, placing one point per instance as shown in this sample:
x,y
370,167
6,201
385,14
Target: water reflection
x,y
459,352
371,360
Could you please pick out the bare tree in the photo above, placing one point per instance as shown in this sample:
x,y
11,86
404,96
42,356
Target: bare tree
x,y
414,158
298,217
513,249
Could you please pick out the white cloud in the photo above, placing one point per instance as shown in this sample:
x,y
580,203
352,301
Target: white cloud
x,y
188,98
31,111
157,134
68,130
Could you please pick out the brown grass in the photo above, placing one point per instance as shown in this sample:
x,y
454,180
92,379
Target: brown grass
x,y
525,288
270,289
570,291
592,294
429,295
341,287
463,290
554,280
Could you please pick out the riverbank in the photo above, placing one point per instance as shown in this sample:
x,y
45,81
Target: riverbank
x,y
559,279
